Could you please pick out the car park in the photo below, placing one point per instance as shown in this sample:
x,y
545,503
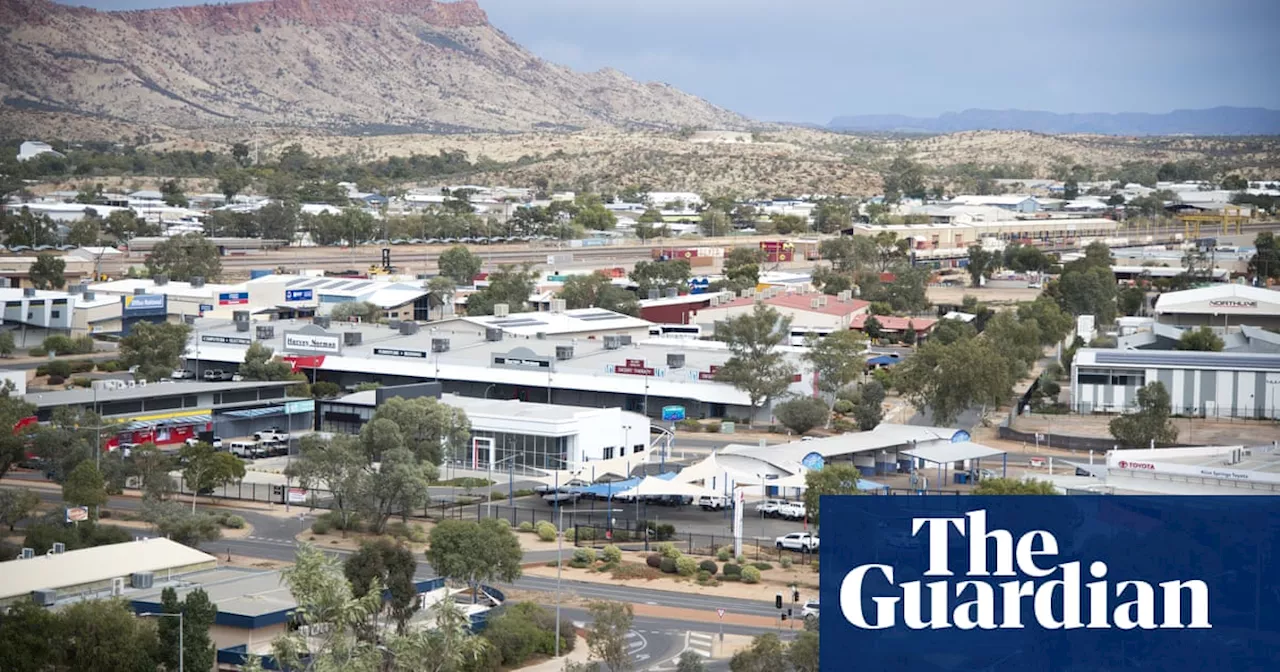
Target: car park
x,y
791,511
798,541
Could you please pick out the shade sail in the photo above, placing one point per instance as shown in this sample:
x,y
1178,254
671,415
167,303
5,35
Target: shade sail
x,y
652,486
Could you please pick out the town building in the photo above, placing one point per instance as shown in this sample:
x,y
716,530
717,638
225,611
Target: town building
x,y
33,148
587,323
1209,384
1013,202
1222,305
15,272
807,309
1200,470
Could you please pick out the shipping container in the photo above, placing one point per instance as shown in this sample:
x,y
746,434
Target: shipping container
x,y
256,273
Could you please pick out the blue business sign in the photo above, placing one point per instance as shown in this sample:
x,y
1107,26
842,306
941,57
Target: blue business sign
x,y
1051,583
673,413
140,305
233,298
206,307
699,285
298,295
813,461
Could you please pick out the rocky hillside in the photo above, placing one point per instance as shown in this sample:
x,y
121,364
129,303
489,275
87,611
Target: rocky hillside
x,y
344,66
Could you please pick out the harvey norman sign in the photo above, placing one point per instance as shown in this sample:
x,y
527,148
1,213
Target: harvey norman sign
x,y
313,342
523,358
1051,583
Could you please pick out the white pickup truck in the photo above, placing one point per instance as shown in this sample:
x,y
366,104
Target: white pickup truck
x,y
713,502
791,511
271,434
798,541
769,507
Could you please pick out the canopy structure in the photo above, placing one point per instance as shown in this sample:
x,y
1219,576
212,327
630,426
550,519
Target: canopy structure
x,y
715,473
652,486
617,487
797,481
944,454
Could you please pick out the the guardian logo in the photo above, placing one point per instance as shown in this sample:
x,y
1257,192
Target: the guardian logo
x,y
1039,591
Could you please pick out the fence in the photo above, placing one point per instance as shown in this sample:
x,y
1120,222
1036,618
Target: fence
x,y
756,549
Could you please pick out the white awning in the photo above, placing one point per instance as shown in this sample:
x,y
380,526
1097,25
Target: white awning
x,y
945,453
656,487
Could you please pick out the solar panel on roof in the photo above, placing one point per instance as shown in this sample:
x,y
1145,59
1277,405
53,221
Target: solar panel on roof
x,y
295,281
599,317
1197,360
522,322
316,283
359,285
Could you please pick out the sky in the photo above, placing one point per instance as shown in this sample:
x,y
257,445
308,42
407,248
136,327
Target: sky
x,y
811,60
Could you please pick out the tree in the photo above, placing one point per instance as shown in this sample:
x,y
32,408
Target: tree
x,y
232,182
171,192
387,564
755,365
124,225
660,276
591,214
1130,300
443,289
17,505
832,216
260,364
208,468
607,634
1265,263
85,232
1202,339
868,410
84,487
369,313
510,285
742,267
981,264
103,635
1087,291
151,466
714,223
7,345
475,551
596,290
278,220
240,152
1017,339
429,428
459,264
47,272
1011,486
767,653
28,228
691,662
802,414
649,224
198,614
950,379
325,599
803,652
849,254
904,177
890,250
836,361
1150,423
872,328
1234,182
185,256
156,349
335,464
175,521
1071,189
831,479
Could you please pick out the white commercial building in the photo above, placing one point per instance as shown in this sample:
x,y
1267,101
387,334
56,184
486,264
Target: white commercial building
x,y
1200,470
1228,384
1220,306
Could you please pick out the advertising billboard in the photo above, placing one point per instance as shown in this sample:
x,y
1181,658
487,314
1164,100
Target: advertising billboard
x,y
139,305
298,295
233,298
312,342
1051,583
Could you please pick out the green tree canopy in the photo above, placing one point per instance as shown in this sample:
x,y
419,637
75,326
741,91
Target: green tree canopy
x,y
198,614
1202,339
475,551
510,285
1148,424
949,379
836,360
85,487
1011,486
208,468
802,413
460,264
755,365
261,364
47,272
386,564
429,428
369,313
185,256
660,276
156,349
607,634
833,479
596,290
981,264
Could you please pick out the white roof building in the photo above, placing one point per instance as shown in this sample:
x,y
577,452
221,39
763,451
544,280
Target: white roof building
x,y
1221,305
90,570
582,321
33,148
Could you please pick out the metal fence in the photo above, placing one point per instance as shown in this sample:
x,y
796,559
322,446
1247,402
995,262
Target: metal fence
x,y
631,538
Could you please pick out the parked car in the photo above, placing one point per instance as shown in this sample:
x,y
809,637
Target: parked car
x,y
272,434
247,449
810,610
791,511
561,497
214,375
216,443
183,374
798,541
769,507
713,502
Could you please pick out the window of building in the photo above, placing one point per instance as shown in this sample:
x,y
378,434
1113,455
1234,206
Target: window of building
x,y
55,314
163,403
608,453
271,393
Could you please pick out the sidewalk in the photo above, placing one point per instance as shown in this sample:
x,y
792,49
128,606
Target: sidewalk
x,y
580,654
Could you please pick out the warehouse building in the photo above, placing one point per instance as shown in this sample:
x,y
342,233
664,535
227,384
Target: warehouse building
x,y
1220,306
1211,384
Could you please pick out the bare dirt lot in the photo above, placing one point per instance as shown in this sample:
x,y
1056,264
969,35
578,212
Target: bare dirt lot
x,y
1222,432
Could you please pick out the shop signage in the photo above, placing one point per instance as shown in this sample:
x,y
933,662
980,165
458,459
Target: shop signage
x,y
522,358
1233,303
206,307
297,495
298,295
77,514
295,407
393,352
317,341
709,374
145,304
672,413
226,340
634,367
233,298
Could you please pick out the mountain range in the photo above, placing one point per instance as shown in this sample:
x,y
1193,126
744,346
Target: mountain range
x,y
343,66
1213,121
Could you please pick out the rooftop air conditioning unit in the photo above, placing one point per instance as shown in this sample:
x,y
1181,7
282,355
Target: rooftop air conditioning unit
x,y
744,294
58,547
90,296
117,586
242,326
715,300
266,332
492,334
822,301
189,319
28,553
321,321
408,328
439,345
197,282
77,288
672,293
675,360
612,342
541,336
501,310
44,598
557,305
240,315
28,291
653,293
139,291
142,580
352,338
564,352
161,280
814,303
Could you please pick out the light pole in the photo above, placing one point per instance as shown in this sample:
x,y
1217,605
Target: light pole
x,y
179,615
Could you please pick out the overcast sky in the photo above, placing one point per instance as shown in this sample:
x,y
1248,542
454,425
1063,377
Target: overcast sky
x,y
811,60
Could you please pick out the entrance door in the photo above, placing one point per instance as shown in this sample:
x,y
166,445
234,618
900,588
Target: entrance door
x,y
481,452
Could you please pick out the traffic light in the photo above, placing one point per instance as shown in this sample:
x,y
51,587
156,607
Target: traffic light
x,y
795,594
777,601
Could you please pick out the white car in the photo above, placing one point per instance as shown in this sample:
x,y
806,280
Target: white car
x,y
769,507
791,511
272,434
798,541
561,497
713,502
810,610
183,374
216,443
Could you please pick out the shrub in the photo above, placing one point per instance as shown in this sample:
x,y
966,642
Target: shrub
x,y
234,522
731,569
110,366
584,555
668,550
540,523
713,427
79,381
417,534
546,531
724,555
654,560
704,576
321,526
785,562
57,380
709,566
352,523
38,352
526,526
741,559
505,522
570,534
686,565
689,425
585,533
58,367
81,366
398,529
634,572
844,406
59,345
844,426
662,531
762,566
612,553
750,575
668,566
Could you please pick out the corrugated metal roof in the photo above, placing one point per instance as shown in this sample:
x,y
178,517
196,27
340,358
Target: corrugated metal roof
x,y
1188,359
97,564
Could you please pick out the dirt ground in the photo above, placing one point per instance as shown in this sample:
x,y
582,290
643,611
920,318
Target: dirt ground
x,y
989,295
1190,430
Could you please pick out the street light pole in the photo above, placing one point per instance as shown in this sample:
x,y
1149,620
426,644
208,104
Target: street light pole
x,y
157,614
